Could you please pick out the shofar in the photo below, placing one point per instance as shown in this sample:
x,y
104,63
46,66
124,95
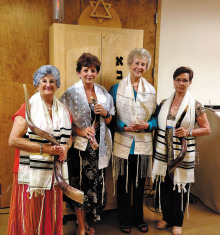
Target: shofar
x,y
69,191
179,159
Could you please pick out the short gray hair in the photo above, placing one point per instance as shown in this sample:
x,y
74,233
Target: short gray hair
x,y
140,53
45,70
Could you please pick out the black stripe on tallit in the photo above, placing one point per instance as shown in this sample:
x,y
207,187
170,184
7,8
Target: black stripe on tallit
x,y
46,162
162,136
63,128
161,142
41,168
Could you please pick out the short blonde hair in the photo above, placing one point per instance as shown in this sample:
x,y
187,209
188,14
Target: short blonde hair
x,y
140,53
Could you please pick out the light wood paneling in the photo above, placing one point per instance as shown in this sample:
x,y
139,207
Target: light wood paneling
x,y
23,48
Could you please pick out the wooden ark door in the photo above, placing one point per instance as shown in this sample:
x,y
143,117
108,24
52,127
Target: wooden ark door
x,y
110,45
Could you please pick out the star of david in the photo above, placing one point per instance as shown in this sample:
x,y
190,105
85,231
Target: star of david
x,y
95,13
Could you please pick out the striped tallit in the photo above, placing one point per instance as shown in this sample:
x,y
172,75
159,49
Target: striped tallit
x,y
35,169
128,111
185,172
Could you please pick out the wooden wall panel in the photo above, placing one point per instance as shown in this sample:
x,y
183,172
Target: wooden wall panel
x,y
24,47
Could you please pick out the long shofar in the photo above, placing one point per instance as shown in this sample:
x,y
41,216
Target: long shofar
x,y
73,193
179,159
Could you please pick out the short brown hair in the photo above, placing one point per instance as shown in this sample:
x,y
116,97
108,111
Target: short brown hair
x,y
88,60
181,70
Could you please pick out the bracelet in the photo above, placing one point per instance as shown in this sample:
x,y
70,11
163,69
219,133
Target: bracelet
x,y
69,146
190,132
41,150
108,115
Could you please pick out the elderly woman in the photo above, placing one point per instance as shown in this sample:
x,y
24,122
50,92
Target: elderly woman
x,y
92,109
36,201
135,101
180,108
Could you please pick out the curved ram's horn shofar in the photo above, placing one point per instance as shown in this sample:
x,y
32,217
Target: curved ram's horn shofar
x,y
179,159
69,191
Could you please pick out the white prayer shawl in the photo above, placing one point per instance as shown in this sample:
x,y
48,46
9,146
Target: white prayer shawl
x,y
185,172
128,110
76,101
35,169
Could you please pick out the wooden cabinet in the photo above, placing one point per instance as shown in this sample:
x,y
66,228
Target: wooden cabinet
x,y
68,42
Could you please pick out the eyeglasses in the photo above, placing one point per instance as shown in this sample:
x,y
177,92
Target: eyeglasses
x,y
178,80
44,82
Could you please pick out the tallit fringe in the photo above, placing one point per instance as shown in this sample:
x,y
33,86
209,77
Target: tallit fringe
x,y
137,171
80,177
103,187
35,191
144,169
42,207
23,207
187,207
55,205
181,189
113,174
158,180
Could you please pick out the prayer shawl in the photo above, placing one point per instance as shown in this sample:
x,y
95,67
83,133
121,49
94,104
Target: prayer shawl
x,y
185,172
129,111
35,169
76,101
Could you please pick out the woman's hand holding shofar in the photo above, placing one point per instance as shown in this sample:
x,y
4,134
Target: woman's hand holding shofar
x,y
99,109
88,131
181,132
60,150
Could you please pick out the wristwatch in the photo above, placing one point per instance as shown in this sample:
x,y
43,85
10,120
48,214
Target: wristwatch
x,y
190,132
108,115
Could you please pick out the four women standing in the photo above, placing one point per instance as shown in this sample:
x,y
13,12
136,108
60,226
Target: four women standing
x,y
92,110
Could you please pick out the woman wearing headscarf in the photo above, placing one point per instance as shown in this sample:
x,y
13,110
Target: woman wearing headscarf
x,y
92,108
176,123
135,101
36,200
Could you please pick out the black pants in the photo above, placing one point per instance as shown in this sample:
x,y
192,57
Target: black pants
x,y
171,203
128,214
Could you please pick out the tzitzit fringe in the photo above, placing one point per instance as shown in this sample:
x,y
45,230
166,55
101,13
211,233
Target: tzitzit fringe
x,y
55,205
42,206
23,207
80,179
103,186
137,171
